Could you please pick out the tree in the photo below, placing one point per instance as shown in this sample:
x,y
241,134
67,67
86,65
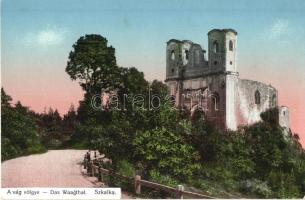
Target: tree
x,y
19,107
133,81
92,62
158,87
5,99
51,121
19,132
70,119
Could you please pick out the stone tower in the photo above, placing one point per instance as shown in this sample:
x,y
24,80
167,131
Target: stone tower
x,y
222,59
222,50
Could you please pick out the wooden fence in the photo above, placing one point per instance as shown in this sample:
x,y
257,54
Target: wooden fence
x,y
94,169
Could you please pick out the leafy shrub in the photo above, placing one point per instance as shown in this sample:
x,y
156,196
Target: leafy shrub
x,y
165,150
271,116
256,186
126,168
155,176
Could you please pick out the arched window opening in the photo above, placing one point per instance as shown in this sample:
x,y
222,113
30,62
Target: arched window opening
x,y
215,101
257,96
231,45
186,54
273,100
215,47
173,55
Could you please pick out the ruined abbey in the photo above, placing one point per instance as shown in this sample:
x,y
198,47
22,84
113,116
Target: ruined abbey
x,y
212,83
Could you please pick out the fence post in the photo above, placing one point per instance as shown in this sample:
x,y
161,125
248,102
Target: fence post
x,y
137,184
180,191
85,162
90,168
100,176
93,169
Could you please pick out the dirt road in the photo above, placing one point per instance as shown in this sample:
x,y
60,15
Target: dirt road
x,y
56,168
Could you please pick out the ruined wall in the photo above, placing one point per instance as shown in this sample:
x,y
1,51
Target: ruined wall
x,y
248,110
284,121
239,101
231,42
172,59
214,105
195,64
184,58
284,117
231,101
217,86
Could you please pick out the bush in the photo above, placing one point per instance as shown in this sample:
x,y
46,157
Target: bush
x,y
271,116
126,168
155,176
256,186
165,151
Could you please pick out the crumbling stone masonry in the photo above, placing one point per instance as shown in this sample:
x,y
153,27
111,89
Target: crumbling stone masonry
x,y
213,84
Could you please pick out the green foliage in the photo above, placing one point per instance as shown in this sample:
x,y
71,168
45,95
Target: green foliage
x,y
165,150
5,99
115,142
157,177
133,82
257,187
271,116
92,62
19,132
70,121
126,168
53,130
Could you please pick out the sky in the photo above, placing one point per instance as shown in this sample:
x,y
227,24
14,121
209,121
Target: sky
x,y
37,36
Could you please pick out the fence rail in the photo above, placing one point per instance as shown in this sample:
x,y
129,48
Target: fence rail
x,y
93,169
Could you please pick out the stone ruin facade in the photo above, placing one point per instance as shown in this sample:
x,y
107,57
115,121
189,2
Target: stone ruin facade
x,y
212,83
